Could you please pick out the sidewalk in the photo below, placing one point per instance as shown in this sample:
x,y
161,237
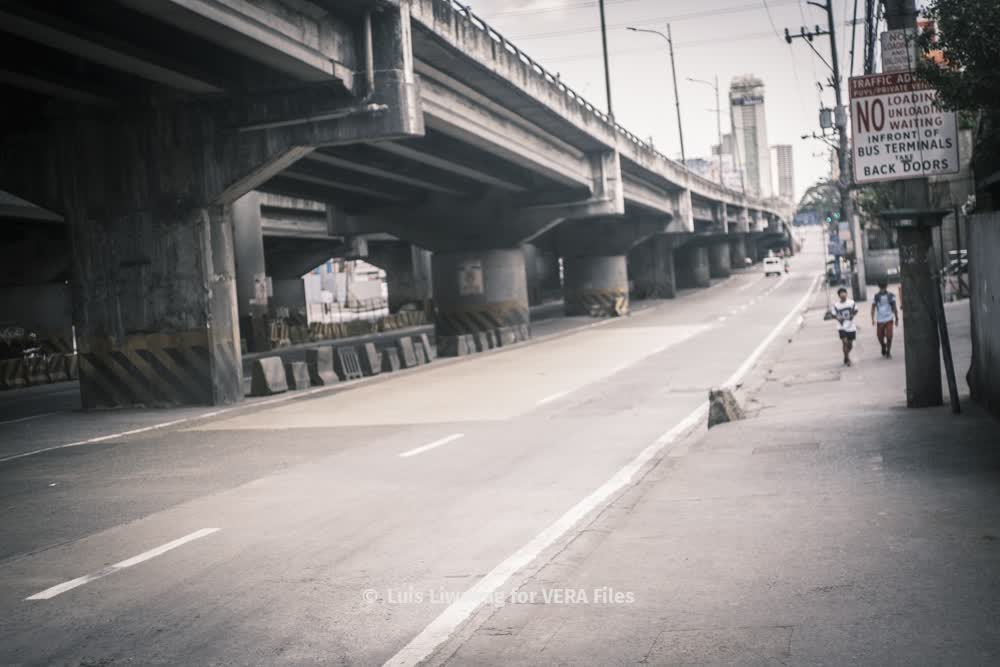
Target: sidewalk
x,y
833,526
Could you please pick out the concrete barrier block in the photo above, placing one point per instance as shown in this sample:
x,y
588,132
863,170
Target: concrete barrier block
x,y
506,336
268,377
523,332
453,346
429,349
390,360
347,364
297,375
407,355
418,350
319,362
482,342
723,407
371,359
491,337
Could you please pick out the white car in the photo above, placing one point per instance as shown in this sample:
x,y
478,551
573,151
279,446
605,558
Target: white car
x,y
773,265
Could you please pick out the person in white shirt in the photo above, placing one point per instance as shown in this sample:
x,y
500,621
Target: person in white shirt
x,y
844,311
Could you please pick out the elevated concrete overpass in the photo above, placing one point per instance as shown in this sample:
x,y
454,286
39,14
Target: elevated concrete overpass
x,y
145,124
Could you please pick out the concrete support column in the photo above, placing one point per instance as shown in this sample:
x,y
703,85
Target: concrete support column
x,y
920,332
651,269
407,272
480,290
692,266
719,265
595,284
154,288
251,273
737,251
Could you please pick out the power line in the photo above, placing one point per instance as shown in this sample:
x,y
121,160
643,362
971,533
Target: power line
x,y
678,45
734,9
555,8
770,19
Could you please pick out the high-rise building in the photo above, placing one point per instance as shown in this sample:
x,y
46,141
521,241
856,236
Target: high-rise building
x,y
784,171
746,102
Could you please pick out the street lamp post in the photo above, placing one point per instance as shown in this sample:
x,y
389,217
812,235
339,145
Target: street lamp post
x,y
673,70
718,119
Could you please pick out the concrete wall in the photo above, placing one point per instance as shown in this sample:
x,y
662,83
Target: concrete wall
x,y
984,279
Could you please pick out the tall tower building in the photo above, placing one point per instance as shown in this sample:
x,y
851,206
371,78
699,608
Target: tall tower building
x,y
784,171
746,102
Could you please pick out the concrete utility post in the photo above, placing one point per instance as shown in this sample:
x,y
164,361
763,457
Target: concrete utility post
x,y
920,332
859,291
673,70
607,69
843,156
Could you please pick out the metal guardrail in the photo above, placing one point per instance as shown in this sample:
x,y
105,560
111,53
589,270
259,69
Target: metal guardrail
x,y
554,79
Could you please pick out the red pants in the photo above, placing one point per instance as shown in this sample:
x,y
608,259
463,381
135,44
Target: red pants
x,y
884,331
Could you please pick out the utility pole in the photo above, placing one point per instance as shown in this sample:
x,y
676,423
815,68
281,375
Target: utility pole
x,y
920,290
677,98
673,70
607,70
843,181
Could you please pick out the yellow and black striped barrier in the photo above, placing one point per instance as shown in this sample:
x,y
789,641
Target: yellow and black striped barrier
x,y
159,370
597,302
473,318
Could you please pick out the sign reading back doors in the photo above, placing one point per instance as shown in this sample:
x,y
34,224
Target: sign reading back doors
x,y
899,131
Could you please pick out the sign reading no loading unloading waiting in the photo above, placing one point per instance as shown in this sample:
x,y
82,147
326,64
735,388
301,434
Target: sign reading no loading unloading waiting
x,y
899,131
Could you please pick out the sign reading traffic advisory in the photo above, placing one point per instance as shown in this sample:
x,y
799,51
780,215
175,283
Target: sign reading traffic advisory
x,y
899,131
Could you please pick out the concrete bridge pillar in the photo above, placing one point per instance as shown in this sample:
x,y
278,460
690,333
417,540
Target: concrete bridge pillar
x,y
154,286
719,263
251,273
692,266
737,250
595,264
479,290
407,272
595,284
651,268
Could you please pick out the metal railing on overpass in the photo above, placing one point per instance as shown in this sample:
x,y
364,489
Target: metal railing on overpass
x,y
555,80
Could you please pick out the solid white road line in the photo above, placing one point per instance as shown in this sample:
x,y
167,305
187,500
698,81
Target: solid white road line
x,y
750,284
442,627
111,569
24,419
456,613
552,397
437,443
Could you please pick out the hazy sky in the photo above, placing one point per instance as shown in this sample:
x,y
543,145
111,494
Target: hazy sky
x,y
723,38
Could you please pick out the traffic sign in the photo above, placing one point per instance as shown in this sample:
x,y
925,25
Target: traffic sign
x,y
898,129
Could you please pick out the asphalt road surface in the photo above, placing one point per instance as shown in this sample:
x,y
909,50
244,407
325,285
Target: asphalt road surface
x,y
344,528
